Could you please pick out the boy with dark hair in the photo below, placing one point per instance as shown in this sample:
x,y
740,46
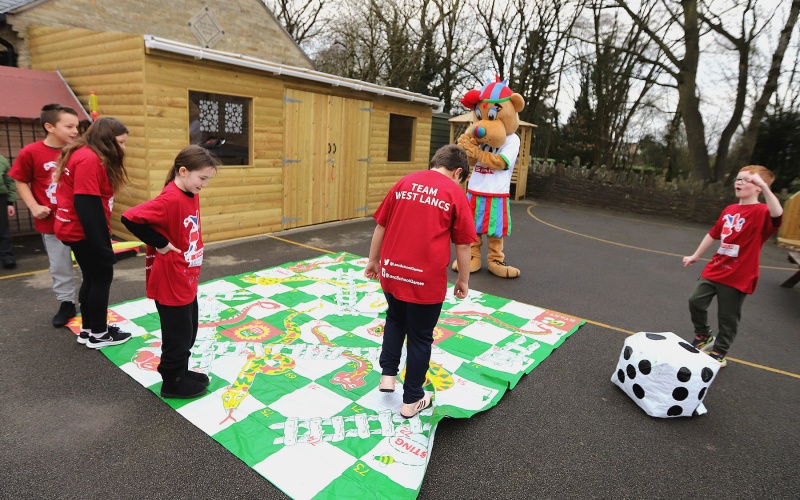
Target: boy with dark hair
x,y
33,171
421,215
732,274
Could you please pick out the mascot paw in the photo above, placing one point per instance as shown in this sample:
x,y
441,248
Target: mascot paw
x,y
474,264
503,270
469,144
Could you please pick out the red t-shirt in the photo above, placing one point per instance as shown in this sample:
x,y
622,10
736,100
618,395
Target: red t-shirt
x,y
742,231
172,278
422,214
36,165
83,174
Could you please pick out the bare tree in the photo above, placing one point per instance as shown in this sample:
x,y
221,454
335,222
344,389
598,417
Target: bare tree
x,y
304,20
354,44
748,141
416,45
678,32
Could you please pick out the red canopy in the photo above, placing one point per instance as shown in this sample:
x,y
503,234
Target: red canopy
x,y
23,93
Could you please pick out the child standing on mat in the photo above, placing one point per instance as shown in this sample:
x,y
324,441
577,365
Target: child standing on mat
x,y
34,172
170,225
89,171
732,274
410,252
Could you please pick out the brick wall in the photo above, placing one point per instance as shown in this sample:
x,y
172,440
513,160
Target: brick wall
x,y
249,27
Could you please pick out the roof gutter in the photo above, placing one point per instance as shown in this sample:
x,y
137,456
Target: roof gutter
x,y
77,101
154,42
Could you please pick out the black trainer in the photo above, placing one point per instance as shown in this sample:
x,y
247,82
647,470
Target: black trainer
x,y
65,313
182,387
114,336
200,377
83,337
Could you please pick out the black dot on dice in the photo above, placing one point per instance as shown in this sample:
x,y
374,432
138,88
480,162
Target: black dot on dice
x,y
627,353
688,347
644,367
707,374
637,389
621,375
631,372
702,393
684,374
680,393
654,336
674,411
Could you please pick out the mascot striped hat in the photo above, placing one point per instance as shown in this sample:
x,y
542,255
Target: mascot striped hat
x,y
493,92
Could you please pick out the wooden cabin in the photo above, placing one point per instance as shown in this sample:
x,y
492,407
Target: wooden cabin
x,y
300,147
789,233
519,177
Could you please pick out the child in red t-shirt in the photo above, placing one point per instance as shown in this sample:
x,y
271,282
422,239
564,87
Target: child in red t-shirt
x,y
410,252
34,172
170,225
89,171
732,274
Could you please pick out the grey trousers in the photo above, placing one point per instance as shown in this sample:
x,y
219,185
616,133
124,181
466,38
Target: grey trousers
x,y
729,311
61,269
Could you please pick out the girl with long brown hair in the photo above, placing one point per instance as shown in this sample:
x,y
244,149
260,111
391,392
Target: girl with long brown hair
x,y
170,225
89,171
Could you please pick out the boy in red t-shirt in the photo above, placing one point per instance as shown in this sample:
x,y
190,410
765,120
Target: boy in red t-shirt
x,y
410,252
33,172
732,274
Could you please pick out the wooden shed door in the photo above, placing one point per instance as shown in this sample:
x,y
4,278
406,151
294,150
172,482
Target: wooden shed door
x,y
326,149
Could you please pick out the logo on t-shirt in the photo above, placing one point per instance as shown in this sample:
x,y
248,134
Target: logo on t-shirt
x,y
51,189
732,223
193,255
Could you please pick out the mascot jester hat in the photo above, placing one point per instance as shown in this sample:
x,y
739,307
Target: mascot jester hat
x,y
492,146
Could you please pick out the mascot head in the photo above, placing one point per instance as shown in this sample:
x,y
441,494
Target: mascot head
x,y
496,110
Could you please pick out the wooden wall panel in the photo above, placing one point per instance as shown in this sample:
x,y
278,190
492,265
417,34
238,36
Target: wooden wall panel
x,y
239,201
112,66
148,91
382,173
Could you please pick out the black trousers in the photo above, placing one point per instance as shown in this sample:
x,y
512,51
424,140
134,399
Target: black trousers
x,y
98,273
178,333
6,248
415,321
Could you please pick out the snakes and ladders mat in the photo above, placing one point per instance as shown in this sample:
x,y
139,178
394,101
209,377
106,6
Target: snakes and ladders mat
x,y
292,354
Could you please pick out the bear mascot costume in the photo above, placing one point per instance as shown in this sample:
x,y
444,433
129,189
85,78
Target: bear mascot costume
x,y
492,146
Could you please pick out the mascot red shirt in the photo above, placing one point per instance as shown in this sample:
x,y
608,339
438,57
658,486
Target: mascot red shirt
x,y
492,147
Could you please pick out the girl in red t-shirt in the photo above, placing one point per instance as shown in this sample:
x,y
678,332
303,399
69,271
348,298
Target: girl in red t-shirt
x,y
170,225
89,171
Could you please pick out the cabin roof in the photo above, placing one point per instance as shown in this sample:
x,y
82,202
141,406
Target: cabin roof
x,y
153,42
26,91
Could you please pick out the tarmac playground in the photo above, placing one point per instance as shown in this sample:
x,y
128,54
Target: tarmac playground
x,y
72,425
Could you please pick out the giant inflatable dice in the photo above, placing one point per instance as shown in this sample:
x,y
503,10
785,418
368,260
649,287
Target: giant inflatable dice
x,y
664,374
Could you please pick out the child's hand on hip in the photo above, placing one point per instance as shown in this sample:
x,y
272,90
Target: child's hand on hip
x,y
168,248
